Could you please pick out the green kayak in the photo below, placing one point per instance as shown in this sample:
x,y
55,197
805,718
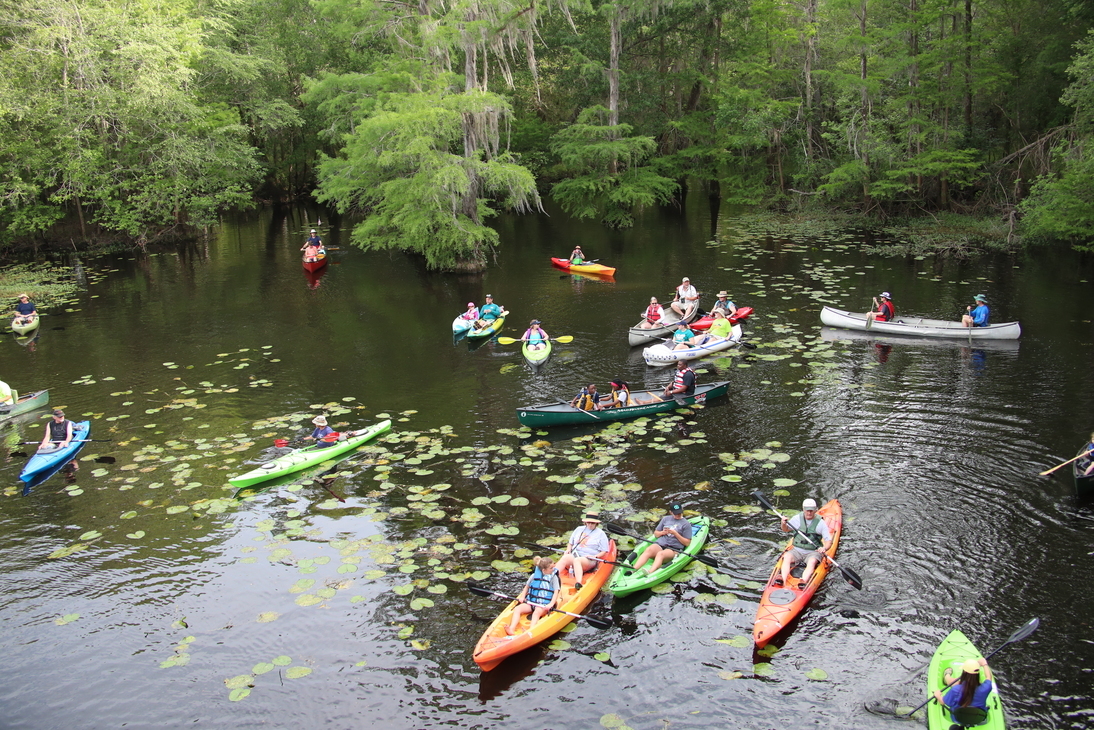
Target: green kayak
x,y
308,456
626,581
535,358
952,653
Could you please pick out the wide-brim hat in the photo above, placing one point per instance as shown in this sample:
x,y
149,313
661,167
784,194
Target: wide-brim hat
x,y
981,298
885,295
591,517
319,420
722,293
23,296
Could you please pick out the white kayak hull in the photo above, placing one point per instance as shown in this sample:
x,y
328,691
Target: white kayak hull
x,y
919,327
459,324
665,355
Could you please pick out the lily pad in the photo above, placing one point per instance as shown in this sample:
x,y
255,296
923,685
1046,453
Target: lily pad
x,y
816,674
297,672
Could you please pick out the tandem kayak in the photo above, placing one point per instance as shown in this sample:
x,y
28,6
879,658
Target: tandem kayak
x,y
663,354
598,269
300,459
495,645
626,580
51,456
952,653
492,328
779,605
24,403
535,358
643,403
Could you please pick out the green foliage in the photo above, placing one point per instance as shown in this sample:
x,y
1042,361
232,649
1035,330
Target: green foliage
x,y
1059,207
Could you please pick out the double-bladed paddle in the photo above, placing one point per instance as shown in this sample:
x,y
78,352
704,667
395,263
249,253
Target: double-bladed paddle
x,y
564,339
617,530
597,622
851,576
590,557
1017,636
73,441
1049,471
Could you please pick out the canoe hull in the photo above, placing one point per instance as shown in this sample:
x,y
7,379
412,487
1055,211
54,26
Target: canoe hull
x,y
919,327
563,414
535,358
779,605
25,403
665,355
1084,485
598,269
44,461
638,335
954,650
301,459
495,645
491,329
625,581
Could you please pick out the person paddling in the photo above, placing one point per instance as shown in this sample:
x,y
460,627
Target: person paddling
x,y
883,312
620,395
816,540
312,247
324,434
724,305
58,433
682,337
966,691
979,315
588,399
535,336
653,315
1086,464
539,596
673,535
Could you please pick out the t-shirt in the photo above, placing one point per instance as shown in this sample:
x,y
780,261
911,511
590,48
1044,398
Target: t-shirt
x,y
687,294
586,542
822,529
720,328
490,311
980,316
682,335
684,527
25,308
319,433
6,397
952,698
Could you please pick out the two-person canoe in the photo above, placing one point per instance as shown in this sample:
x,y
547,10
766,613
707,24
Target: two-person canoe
x,y
598,269
24,403
300,459
492,328
779,605
320,261
536,357
664,354
644,403
52,456
639,335
495,645
626,581
954,650
920,327
25,327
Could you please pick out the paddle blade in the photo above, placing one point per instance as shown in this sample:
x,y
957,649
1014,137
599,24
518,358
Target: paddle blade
x,y
1018,635
759,497
506,340
851,576
616,529
599,623
479,590
564,339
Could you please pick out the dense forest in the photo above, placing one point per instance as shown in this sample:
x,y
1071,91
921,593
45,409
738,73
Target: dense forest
x,y
138,119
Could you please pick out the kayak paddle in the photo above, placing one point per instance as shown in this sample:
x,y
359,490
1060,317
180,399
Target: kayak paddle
x,y
617,530
564,339
851,576
1049,471
544,548
1018,635
597,622
73,441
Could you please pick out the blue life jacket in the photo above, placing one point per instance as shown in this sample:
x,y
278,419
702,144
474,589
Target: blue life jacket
x,y
540,588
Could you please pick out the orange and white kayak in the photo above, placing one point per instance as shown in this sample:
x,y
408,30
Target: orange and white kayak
x,y
495,645
779,605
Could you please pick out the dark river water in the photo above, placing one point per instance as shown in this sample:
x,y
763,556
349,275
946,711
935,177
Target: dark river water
x,y
143,594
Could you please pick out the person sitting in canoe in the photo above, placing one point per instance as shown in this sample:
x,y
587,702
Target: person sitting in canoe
x,y
977,316
686,299
576,256
723,305
58,433
488,313
966,690
588,399
817,541
7,395
323,434
883,312
683,380
539,596
653,315
683,336
620,395
472,313
586,542
673,535
535,336
25,311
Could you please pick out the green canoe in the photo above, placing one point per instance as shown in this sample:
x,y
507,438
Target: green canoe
x,y
644,403
952,653
24,403
308,456
535,358
626,581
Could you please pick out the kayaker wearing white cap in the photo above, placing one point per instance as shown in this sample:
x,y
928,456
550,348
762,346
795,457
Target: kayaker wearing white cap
x,y
323,433
817,535
885,311
686,299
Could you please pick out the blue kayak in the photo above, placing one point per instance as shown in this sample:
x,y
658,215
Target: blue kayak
x,y
51,457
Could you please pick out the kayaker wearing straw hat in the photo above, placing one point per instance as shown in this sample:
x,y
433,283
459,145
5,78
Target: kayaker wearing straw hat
x,y
323,433
25,310
586,542
723,305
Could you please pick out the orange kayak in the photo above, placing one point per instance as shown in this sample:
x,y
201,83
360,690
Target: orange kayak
x,y
495,645
779,605
598,269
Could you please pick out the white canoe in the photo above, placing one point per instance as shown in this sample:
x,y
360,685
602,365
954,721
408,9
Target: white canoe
x,y
920,327
640,336
665,355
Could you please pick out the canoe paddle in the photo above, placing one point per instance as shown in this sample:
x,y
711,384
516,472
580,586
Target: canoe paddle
x,y
73,441
597,622
587,413
851,576
564,339
1017,636
1049,471
617,530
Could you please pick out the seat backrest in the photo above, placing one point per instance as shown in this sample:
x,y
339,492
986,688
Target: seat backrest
x,y
969,716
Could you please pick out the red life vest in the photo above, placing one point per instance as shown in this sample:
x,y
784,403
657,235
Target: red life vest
x,y
885,311
678,379
653,313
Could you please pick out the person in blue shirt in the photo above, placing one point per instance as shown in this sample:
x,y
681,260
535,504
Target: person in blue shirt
x,y
539,596
966,690
682,337
488,312
977,316
323,434
25,310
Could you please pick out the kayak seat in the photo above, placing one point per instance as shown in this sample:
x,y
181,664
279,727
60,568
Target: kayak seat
x,y
969,716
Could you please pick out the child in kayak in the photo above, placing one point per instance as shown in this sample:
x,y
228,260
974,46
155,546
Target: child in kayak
x,y
539,596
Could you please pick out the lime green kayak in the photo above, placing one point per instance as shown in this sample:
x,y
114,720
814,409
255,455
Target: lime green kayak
x,y
626,581
952,653
301,459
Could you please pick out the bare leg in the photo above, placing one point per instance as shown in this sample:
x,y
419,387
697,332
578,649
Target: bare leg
x,y
663,556
647,554
810,566
519,611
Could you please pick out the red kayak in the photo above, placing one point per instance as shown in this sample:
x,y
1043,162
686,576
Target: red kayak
x,y
704,322
320,261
